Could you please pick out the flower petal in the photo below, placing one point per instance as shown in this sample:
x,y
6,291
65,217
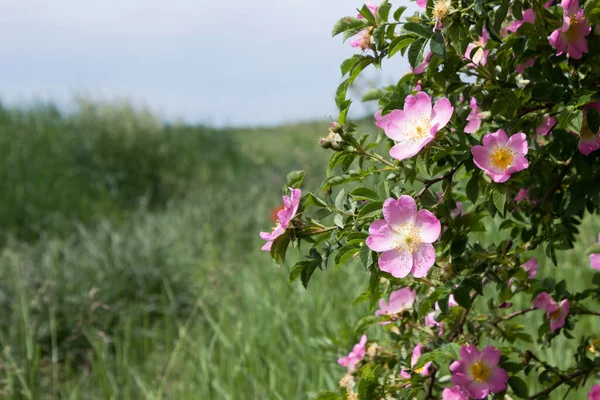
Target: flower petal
x,y
401,211
424,258
382,237
399,264
429,226
442,112
418,106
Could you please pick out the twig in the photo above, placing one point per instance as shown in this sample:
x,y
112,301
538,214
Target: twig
x,y
448,175
555,186
431,385
562,380
515,314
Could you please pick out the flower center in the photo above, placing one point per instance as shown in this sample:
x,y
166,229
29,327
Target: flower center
x,y
365,43
421,129
502,157
440,9
573,32
554,314
480,371
409,238
586,132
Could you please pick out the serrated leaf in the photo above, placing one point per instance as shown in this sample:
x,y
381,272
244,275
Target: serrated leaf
x,y
364,193
345,253
279,248
398,13
348,24
501,14
575,121
294,179
499,199
415,52
367,14
437,45
421,30
370,209
373,94
365,256
519,387
383,12
296,271
307,273
462,295
399,44
473,188
364,322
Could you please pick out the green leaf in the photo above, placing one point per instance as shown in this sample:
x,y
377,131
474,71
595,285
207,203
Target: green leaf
x,y
398,13
313,200
373,94
501,14
400,43
438,47
348,63
593,249
383,12
348,24
296,271
370,209
364,193
367,14
575,121
295,178
364,322
345,253
365,255
499,198
279,248
473,188
421,30
307,273
519,387
593,120
462,295
328,396
415,52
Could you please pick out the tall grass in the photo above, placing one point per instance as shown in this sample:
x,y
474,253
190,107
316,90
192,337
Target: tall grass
x,y
143,277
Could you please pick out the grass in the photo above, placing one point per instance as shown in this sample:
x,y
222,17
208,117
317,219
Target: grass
x,y
131,268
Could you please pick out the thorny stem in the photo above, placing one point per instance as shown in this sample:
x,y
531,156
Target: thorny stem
x,y
515,314
429,182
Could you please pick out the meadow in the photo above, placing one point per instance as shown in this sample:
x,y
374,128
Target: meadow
x,y
130,265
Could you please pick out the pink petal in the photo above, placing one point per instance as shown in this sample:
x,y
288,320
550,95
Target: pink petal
x,y
401,211
481,157
454,393
408,148
267,246
518,143
542,301
498,138
442,112
477,390
383,121
497,382
546,126
383,307
418,106
422,3
399,264
401,300
595,261
469,353
398,126
416,354
428,225
382,237
424,258
490,356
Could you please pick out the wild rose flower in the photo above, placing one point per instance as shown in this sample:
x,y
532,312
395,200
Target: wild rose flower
x,y
416,125
404,237
556,312
474,117
546,126
425,370
589,141
422,3
595,258
441,9
480,56
400,301
382,121
523,194
372,7
356,355
528,17
477,373
423,66
362,40
454,393
594,394
570,37
500,157
520,68
284,217
531,267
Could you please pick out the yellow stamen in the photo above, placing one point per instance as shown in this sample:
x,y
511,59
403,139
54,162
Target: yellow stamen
x,y
554,314
409,238
502,157
480,371
573,32
586,132
421,128
440,9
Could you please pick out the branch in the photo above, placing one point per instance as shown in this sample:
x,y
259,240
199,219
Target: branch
x,y
515,314
554,187
562,380
431,385
429,182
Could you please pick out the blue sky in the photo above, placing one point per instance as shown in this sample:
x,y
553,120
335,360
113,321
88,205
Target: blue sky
x,y
235,62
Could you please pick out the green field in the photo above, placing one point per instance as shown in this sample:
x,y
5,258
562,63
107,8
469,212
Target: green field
x,y
131,264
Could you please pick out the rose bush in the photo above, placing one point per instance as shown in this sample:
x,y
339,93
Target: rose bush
x,y
497,124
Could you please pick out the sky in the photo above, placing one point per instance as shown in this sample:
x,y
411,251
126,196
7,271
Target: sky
x,y
233,63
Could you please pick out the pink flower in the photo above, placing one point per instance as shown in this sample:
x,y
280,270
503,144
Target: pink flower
x,y
400,301
522,195
594,394
570,37
500,157
423,66
595,259
531,267
425,369
454,393
422,3
356,355
284,217
529,63
589,141
372,7
480,56
546,126
404,237
556,312
417,124
362,40
528,17
477,373
474,117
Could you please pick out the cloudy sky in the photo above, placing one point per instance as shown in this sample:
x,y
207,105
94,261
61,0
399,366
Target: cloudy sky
x,y
236,62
